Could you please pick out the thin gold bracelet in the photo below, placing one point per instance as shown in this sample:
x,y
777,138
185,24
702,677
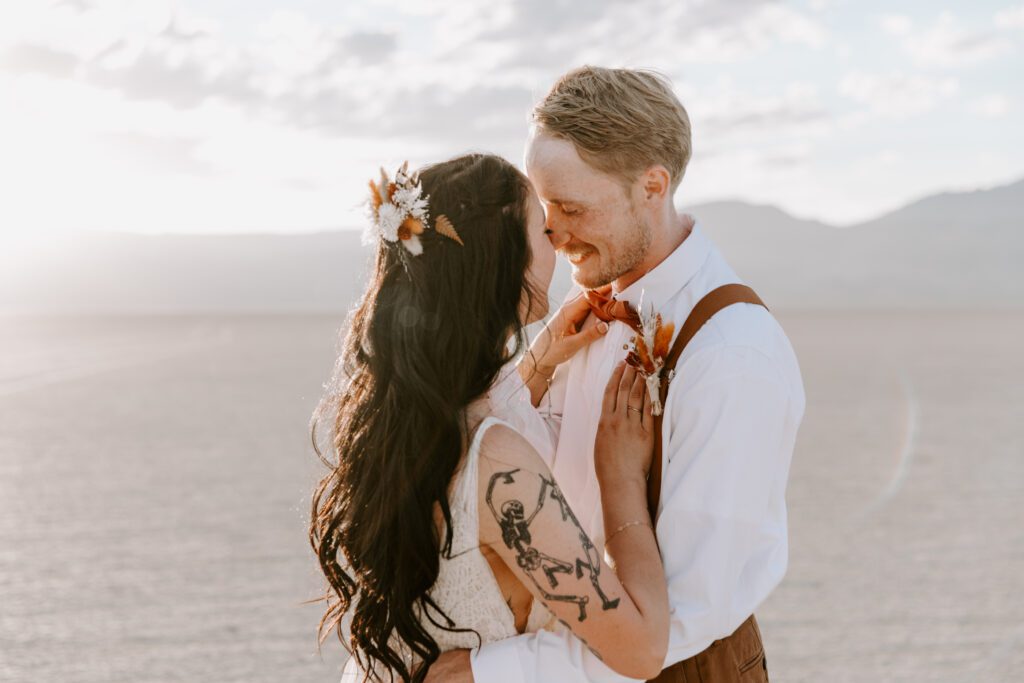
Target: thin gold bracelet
x,y
625,526
547,381
536,368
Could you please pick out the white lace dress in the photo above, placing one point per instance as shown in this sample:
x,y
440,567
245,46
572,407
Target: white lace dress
x,y
466,588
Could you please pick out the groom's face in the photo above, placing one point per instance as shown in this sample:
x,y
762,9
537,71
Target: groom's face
x,y
592,220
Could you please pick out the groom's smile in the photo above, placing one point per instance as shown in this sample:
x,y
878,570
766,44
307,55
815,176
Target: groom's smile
x,y
577,254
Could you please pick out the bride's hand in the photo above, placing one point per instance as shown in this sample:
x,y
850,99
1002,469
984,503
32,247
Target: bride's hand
x,y
624,446
564,335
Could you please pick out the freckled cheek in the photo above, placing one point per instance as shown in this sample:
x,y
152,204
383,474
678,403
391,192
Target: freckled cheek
x,y
593,232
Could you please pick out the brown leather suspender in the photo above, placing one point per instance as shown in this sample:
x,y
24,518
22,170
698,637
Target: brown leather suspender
x,y
712,303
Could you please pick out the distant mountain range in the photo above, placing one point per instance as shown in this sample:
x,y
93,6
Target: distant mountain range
x,y
951,250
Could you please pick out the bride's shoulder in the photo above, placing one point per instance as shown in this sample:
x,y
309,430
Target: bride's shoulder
x,y
502,446
510,469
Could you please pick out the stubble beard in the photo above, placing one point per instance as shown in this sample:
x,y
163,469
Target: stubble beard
x,y
629,252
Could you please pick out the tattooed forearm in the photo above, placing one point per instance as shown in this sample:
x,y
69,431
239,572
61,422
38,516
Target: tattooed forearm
x,y
581,639
512,517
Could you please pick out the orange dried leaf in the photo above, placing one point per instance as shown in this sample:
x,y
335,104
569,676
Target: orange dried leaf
x,y
375,195
662,339
642,354
444,226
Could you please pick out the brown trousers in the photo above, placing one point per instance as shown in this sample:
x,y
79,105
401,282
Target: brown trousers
x,y
737,658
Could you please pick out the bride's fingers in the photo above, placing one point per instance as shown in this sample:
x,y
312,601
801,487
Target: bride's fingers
x,y
636,394
612,389
576,340
625,386
575,311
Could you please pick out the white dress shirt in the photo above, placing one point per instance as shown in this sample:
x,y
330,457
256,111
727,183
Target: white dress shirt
x,y
730,425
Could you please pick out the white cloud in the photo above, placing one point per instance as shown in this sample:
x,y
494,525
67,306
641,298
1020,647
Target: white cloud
x,y
694,33
896,24
277,124
991,106
896,95
727,112
84,30
1010,18
948,42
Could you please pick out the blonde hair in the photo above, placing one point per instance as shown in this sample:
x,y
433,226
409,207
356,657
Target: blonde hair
x,y
620,120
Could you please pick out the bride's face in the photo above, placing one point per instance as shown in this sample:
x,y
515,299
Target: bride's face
x,y
542,262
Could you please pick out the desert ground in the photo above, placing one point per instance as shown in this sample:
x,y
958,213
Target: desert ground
x,y
155,475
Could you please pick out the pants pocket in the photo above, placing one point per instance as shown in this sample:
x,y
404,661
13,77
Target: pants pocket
x,y
755,670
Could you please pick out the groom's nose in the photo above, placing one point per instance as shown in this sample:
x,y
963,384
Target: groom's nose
x,y
558,238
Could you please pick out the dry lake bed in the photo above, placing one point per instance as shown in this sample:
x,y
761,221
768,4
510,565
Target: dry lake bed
x,y
155,475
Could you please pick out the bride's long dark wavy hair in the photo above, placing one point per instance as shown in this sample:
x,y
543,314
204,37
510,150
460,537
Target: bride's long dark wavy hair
x,y
429,336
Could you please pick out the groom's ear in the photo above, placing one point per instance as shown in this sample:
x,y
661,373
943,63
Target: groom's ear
x,y
657,182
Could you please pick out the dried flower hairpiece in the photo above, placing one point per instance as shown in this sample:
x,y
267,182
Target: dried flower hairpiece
x,y
399,211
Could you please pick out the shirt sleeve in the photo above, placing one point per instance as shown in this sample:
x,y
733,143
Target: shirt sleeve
x,y
722,519
541,657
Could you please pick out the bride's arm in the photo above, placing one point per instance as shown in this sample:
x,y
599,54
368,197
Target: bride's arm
x,y
527,521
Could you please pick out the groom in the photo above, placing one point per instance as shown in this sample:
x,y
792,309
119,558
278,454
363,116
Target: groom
x,y
606,153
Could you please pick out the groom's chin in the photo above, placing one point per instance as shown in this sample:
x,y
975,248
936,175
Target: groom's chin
x,y
588,278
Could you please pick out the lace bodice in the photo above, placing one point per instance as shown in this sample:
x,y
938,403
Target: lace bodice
x,y
466,588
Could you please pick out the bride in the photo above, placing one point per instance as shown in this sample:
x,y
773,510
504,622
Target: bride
x,y
439,525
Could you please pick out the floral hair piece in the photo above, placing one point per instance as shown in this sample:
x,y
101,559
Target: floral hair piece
x,y
399,211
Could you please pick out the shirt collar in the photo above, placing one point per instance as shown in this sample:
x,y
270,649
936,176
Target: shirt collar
x,y
658,285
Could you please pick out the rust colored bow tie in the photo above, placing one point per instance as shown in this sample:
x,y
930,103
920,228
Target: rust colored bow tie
x,y
608,309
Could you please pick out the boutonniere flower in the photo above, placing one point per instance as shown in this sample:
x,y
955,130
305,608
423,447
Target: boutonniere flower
x,y
649,350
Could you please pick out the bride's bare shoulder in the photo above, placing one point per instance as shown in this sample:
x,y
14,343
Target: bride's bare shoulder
x,y
502,447
510,469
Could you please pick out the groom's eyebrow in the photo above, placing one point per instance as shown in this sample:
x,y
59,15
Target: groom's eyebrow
x,y
557,200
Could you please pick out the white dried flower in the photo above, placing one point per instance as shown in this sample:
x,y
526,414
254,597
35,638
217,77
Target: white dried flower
x,y
389,219
414,245
409,198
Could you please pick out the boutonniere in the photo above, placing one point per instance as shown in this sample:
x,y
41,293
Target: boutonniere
x,y
649,350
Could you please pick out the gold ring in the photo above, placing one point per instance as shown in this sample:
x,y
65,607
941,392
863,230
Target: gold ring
x,y
636,409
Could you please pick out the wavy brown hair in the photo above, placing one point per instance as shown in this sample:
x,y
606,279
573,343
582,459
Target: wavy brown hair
x,y
429,336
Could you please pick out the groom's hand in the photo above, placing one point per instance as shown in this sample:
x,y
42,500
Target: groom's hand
x,y
451,667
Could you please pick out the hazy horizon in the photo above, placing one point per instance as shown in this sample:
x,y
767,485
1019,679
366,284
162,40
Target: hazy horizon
x,y
901,259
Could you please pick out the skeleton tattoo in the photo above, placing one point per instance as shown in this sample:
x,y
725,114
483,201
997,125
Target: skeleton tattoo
x,y
543,569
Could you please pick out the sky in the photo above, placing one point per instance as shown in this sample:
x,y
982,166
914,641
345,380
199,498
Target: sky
x,y
228,117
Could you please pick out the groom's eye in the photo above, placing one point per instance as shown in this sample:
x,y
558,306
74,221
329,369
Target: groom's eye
x,y
571,212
